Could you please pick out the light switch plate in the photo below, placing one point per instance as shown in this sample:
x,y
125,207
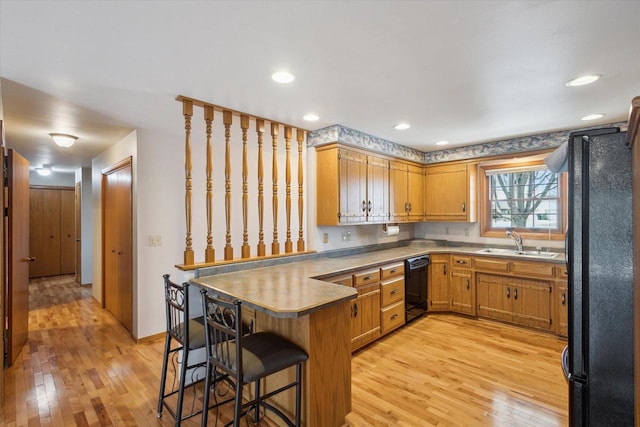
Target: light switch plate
x,y
155,240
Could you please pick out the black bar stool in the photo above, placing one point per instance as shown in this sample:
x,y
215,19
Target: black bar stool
x,y
189,334
246,359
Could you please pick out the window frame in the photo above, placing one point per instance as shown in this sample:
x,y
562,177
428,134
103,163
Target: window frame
x,y
485,205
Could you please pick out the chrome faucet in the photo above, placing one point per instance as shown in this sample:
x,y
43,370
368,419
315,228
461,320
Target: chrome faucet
x,y
517,239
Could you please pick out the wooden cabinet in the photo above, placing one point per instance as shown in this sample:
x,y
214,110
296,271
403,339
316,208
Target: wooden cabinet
x,y
438,283
365,321
392,309
451,192
52,236
562,302
461,287
352,187
521,301
406,191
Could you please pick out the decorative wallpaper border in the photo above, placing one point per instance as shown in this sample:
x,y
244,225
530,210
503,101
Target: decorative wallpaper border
x,y
345,135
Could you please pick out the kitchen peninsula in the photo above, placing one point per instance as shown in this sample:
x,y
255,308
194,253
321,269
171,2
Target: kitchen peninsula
x,y
290,300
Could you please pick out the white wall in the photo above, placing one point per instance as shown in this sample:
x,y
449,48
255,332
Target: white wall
x,y
83,176
55,179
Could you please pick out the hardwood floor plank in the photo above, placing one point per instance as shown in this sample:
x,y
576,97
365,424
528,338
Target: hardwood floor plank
x,y
81,367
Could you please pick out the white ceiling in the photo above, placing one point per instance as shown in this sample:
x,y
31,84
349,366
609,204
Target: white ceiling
x,y
464,71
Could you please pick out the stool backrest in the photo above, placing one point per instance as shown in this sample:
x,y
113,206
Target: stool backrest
x,y
177,301
223,331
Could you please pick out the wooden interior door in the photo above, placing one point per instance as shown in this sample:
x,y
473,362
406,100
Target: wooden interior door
x,y
78,232
17,303
44,226
117,243
67,232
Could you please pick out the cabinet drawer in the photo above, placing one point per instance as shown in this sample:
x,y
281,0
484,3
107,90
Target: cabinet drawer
x,y
460,261
491,264
344,280
392,291
392,317
537,269
561,272
392,270
364,277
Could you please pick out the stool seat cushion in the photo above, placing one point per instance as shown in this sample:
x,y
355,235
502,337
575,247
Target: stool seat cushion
x,y
196,333
265,353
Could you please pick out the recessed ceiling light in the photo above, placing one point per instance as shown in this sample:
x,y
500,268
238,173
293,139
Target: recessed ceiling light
x,y
311,117
282,77
583,80
442,142
593,116
402,126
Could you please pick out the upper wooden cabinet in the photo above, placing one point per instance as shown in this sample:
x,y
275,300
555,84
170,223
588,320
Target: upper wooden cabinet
x,y
352,187
406,191
451,193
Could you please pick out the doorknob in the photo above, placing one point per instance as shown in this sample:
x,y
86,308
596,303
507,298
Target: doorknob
x,y
30,259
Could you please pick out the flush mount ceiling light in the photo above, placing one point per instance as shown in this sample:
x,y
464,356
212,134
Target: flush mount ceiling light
x,y
44,171
311,117
583,80
595,116
282,77
402,126
63,140
442,142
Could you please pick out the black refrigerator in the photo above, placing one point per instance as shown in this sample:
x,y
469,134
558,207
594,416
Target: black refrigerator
x,y
598,360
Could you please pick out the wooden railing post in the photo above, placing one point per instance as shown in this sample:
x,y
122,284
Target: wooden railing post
x,y
227,119
288,244
261,245
209,252
300,139
244,124
187,111
275,129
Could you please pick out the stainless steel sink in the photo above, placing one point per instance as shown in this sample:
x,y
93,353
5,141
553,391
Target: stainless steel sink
x,y
513,252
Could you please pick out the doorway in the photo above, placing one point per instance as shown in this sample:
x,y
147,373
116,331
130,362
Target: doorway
x,y
117,257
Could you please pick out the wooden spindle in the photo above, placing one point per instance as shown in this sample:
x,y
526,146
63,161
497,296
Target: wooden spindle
x,y
244,124
261,246
187,111
227,119
209,252
288,245
275,129
300,139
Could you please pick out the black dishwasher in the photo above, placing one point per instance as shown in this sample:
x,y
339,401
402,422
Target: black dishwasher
x,y
415,286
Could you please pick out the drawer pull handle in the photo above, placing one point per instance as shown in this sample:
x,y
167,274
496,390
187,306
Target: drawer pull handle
x,y
464,207
508,292
459,261
515,293
444,268
395,291
369,277
393,270
564,298
395,316
467,283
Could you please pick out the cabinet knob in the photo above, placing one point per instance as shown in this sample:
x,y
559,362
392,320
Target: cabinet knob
x,y
393,292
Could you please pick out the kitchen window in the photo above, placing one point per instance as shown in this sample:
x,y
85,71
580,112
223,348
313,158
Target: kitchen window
x,y
525,197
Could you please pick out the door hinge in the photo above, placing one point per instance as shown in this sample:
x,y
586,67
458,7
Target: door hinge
x,y
6,212
5,335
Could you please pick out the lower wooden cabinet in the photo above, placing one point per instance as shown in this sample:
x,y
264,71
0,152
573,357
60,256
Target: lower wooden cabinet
x,y
438,284
526,302
392,314
461,287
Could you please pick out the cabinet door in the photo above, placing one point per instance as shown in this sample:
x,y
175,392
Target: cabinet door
x,y
532,303
366,319
377,189
438,285
562,303
353,187
462,292
449,193
415,193
493,294
398,191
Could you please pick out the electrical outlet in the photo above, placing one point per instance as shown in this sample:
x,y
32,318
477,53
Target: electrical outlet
x,y
325,237
344,236
155,240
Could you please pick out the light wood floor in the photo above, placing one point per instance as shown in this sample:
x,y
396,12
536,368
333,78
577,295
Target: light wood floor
x,y
80,367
